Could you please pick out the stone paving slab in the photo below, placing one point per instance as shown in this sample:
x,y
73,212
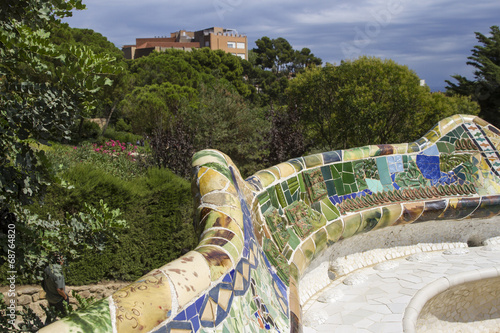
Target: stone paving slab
x,y
379,295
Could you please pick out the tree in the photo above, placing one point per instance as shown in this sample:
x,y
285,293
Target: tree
x,y
108,97
154,107
274,54
286,135
362,102
36,104
220,119
485,88
305,58
279,56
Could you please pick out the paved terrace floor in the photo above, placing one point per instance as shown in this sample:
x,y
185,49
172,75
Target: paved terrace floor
x,y
374,299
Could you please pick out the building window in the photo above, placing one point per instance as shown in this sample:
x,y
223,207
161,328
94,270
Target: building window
x,y
207,43
240,45
231,45
241,55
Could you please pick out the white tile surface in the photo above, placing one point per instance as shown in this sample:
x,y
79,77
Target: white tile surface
x,y
378,304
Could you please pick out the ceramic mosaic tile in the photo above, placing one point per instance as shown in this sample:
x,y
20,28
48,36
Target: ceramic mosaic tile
x,y
259,235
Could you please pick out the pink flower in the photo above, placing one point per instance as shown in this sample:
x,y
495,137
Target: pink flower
x,y
74,147
97,150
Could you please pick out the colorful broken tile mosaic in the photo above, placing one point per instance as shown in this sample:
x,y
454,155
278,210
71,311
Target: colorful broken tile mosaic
x,y
259,235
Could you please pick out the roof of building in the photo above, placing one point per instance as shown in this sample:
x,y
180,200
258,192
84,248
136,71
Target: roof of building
x,y
168,44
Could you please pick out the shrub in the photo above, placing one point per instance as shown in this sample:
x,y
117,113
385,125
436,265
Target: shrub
x,y
157,206
89,130
115,157
122,126
115,134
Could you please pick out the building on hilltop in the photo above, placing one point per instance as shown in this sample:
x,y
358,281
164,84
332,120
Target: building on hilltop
x,y
214,38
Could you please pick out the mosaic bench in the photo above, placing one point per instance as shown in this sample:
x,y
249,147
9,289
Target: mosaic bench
x,y
259,235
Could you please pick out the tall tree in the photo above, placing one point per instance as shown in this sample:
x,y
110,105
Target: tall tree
x,y
305,58
365,101
485,88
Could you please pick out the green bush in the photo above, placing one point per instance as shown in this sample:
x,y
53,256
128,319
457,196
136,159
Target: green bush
x,y
122,126
89,131
114,134
156,205
115,157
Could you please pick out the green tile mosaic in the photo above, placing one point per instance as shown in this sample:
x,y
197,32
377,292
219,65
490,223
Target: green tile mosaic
x,y
312,161
329,210
294,240
309,249
315,184
298,164
351,225
293,184
445,147
334,230
278,226
320,238
280,195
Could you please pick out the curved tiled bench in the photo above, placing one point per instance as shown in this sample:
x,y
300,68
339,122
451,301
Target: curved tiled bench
x,y
259,235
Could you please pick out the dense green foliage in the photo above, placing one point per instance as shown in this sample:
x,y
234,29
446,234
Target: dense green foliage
x,y
38,104
367,101
155,203
279,56
485,88
36,238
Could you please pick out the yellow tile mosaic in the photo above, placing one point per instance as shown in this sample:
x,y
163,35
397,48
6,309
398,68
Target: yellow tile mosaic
x,y
215,219
300,260
286,169
266,177
218,260
390,214
190,276
447,125
221,199
225,239
211,180
143,304
335,230
233,212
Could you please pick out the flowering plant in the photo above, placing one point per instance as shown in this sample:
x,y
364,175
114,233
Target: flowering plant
x,y
121,159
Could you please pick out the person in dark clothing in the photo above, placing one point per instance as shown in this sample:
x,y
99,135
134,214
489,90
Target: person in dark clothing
x,y
54,285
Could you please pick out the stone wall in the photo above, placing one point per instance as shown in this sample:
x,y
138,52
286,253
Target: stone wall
x,y
33,295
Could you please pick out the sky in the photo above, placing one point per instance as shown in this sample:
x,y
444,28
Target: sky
x,y
431,37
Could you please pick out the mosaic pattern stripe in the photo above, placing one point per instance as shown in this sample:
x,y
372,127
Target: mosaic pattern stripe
x,y
259,235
